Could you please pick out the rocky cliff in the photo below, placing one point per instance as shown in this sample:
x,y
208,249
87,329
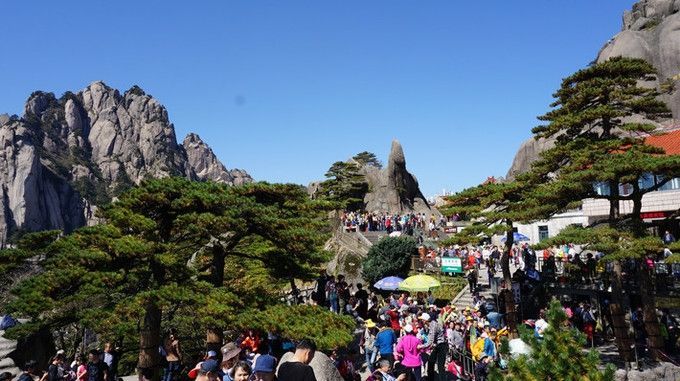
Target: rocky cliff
x,y
651,30
67,155
394,189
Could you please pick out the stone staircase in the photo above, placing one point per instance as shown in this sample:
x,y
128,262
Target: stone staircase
x,y
464,297
7,346
373,237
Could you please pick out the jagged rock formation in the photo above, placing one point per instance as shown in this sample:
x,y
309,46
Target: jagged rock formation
x,y
651,31
65,156
206,165
393,189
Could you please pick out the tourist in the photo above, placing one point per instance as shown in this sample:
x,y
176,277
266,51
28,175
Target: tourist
x,y
332,294
81,370
264,369
385,341
230,356
111,359
319,294
343,292
30,371
241,371
482,369
55,371
362,300
367,344
668,238
208,371
298,369
439,349
540,325
97,370
173,356
383,372
408,350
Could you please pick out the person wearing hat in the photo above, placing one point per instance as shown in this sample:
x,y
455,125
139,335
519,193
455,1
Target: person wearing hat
x,y
367,344
408,349
440,349
230,356
208,371
264,369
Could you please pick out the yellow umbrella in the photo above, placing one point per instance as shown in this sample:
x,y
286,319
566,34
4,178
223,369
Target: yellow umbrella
x,y
419,283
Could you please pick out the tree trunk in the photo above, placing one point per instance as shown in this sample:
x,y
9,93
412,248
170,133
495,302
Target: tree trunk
x,y
618,311
614,211
149,339
213,339
651,322
217,266
510,311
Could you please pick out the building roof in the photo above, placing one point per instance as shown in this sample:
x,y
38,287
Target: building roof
x,y
669,142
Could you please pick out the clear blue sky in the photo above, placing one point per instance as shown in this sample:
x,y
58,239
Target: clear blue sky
x,y
285,88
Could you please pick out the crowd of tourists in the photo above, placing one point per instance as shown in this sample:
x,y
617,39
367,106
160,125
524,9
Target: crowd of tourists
x,y
247,359
390,222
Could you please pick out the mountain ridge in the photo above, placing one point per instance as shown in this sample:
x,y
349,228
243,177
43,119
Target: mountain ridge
x,y
67,155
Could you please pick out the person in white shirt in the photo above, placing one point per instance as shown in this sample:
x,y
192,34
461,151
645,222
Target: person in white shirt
x,y
541,325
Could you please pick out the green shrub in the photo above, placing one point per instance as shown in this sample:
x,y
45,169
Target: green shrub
x,y
389,256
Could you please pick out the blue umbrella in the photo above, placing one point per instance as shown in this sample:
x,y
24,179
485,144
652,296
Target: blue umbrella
x,y
516,237
390,283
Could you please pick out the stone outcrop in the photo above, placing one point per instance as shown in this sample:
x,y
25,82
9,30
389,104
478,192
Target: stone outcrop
x,y
662,372
65,156
393,189
651,31
207,166
324,369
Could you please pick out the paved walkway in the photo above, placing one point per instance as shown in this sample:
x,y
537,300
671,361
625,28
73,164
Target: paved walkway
x,y
464,297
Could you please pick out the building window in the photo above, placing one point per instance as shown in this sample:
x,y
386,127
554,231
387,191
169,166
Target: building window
x,y
625,189
543,232
601,188
673,184
646,181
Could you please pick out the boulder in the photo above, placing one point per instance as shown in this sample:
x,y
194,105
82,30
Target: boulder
x,y
324,369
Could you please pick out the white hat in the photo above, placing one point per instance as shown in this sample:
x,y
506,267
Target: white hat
x,y
408,328
425,317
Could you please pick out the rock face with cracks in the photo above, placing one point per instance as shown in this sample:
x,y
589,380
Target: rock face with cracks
x,y
651,31
393,189
67,155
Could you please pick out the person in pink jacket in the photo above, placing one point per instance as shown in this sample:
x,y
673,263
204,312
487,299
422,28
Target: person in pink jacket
x,y
408,349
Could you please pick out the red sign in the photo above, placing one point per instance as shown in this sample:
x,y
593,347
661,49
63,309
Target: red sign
x,y
652,215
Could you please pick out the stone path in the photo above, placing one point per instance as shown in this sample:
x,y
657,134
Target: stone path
x,y
464,297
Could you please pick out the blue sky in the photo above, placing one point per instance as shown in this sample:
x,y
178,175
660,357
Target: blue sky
x,y
285,88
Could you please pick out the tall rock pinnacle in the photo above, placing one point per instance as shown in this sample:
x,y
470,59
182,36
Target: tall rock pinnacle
x,y
394,189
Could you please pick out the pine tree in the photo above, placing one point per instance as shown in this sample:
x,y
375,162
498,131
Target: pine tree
x,y
391,256
598,141
150,264
493,208
345,185
558,356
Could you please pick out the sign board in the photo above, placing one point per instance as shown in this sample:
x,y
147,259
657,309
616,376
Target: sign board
x,y
452,265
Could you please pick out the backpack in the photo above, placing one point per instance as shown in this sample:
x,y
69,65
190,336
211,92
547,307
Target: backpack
x,y
478,349
7,322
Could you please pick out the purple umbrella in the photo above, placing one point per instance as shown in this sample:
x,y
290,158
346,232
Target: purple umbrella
x,y
390,283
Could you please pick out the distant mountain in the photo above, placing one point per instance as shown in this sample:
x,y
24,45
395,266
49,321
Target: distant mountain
x,y
65,156
651,30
